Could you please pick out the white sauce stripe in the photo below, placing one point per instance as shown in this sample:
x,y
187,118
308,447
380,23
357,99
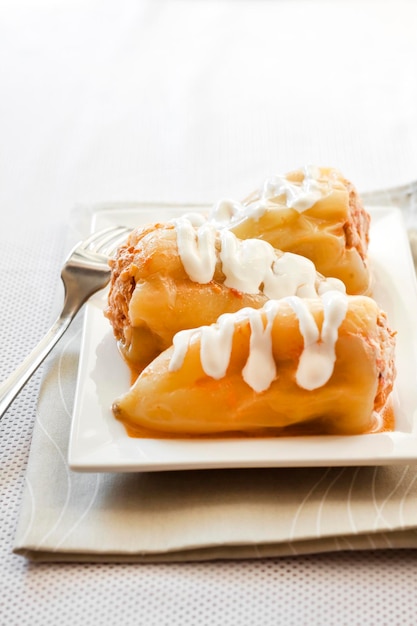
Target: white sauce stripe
x,y
181,341
197,250
216,347
319,355
260,369
250,266
299,196
317,360
246,264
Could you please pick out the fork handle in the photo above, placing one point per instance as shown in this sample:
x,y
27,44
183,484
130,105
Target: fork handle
x,y
11,387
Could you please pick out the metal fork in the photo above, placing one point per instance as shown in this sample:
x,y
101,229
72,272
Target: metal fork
x,y
85,272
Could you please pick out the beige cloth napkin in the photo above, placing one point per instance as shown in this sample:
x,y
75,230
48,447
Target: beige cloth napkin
x,y
194,515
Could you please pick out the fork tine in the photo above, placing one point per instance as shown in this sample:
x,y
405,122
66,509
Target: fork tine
x,y
109,247
96,236
106,239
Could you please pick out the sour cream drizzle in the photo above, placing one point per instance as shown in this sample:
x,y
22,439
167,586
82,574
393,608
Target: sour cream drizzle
x,y
300,196
315,366
197,249
251,265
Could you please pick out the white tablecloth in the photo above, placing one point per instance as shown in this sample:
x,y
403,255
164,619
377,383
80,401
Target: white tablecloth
x,y
189,102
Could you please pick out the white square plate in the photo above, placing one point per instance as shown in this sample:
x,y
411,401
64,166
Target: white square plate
x,y
98,442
